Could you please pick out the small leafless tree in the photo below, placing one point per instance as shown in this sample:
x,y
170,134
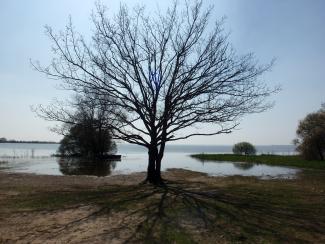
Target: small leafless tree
x,y
164,72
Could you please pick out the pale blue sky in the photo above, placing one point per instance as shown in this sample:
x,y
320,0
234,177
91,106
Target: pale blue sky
x,y
292,31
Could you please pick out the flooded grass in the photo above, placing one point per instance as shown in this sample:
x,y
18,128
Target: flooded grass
x,y
278,160
3,165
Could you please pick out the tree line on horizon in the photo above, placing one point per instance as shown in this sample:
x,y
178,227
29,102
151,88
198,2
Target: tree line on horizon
x,y
5,140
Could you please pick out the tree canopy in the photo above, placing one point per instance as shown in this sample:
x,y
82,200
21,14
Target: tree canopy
x,y
245,148
87,139
86,126
311,136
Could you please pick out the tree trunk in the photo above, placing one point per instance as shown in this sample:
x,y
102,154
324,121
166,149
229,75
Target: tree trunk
x,y
154,167
321,155
320,152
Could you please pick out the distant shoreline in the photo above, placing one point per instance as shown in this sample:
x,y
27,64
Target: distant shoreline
x,y
30,142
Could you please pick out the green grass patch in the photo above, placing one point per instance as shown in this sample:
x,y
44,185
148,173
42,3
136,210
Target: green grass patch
x,y
278,160
116,198
3,165
50,200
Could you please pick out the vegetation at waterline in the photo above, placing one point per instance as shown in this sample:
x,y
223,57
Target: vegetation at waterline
x,y
3,165
245,148
85,128
279,160
199,209
87,140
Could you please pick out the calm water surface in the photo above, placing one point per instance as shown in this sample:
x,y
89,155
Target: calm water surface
x,y
35,158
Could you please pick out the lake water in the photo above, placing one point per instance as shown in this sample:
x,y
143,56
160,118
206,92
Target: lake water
x,y
35,158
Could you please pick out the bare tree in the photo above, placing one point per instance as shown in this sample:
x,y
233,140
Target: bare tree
x,y
80,108
86,125
165,72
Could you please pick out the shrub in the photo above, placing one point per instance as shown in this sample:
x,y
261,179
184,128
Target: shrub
x,y
88,140
244,148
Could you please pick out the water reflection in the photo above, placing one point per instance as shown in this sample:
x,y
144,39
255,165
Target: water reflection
x,y
243,166
224,168
138,163
80,166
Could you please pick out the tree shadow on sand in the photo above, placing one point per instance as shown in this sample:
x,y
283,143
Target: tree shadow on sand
x,y
183,213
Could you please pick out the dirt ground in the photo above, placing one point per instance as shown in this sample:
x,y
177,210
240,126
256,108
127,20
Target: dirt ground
x,y
191,208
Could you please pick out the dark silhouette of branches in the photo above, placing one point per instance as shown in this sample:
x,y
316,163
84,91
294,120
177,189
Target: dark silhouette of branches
x,y
163,73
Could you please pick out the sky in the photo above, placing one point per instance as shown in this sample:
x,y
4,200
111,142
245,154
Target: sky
x,y
291,31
